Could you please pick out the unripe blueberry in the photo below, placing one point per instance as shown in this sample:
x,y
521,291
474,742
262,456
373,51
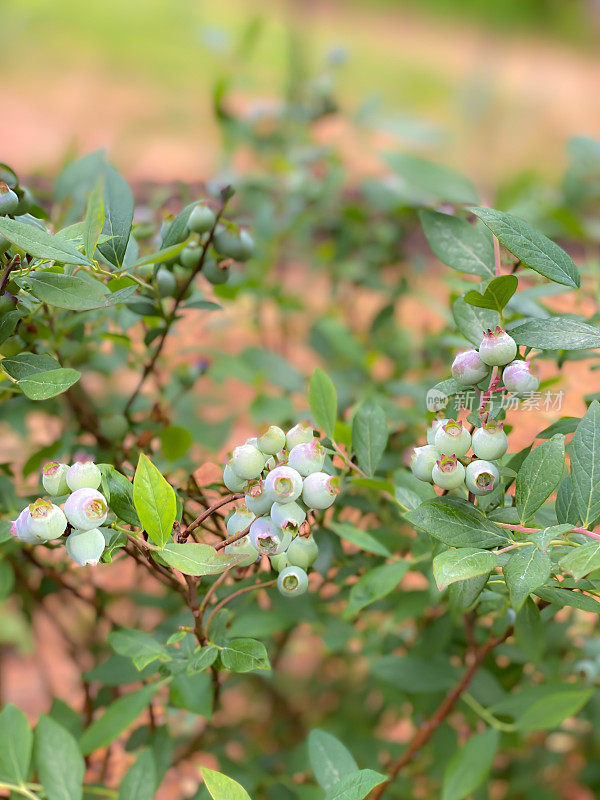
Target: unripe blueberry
x,y
283,484
518,379
280,562
453,437
268,539
46,521
83,475
9,202
288,516
431,432
490,442
114,426
320,490
448,472
166,282
497,348
202,219
307,457
299,434
468,368
239,521
215,272
54,478
239,246
272,440
587,670
292,581
86,509
247,461
86,547
246,247
243,547
422,462
190,256
481,477
303,552
20,528
232,480
257,499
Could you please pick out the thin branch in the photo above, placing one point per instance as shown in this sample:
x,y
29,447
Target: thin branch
x,y
230,498
226,600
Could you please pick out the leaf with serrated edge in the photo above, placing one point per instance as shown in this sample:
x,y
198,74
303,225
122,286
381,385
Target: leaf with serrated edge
x,y
585,465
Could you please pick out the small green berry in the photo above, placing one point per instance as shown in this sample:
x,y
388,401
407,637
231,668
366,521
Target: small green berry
x,y
114,426
271,441
320,490
247,461
283,485
9,202
303,552
292,581
288,516
497,348
86,509
280,561
481,477
83,475
201,219
453,437
46,521
307,457
241,519
490,442
54,478
299,434
448,472
86,547
243,547
257,499
519,380
232,480
190,256
422,462
215,272
268,539
166,282
468,369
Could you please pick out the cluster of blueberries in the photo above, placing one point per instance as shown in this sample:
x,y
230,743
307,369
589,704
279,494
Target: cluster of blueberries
x,y
85,509
283,478
448,441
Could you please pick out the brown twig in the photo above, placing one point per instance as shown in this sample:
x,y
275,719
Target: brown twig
x,y
230,498
229,598
429,727
5,277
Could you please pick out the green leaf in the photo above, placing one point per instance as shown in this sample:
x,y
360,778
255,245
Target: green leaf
x,y
375,584
118,491
154,501
530,246
16,740
582,560
557,333
140,781
178,231
550,711
159,256
244,655
58,761
355,786
65,291
118,216
497,293
221,787
141,647
457,523
369,436
40,243
323,401
566,502
429,182
39,376
539,476
329,758
568,597
362,539
94,219
464,593
469,766
472,322
525,571
585,465
8,323
462,564
194,693
530,631
202,659
117,717
413,674
457,243
191,558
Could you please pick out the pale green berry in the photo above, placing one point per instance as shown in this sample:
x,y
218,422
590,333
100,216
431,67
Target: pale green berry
x,y
497,347
239,521
453,437
422,462
481,477
283,485
307,457
268,539
166,283
86,547
201,219
86,509
490,442
587,670
272,440
448,472
83,475
468,369
20,528
9,202
190,256
303,552
247,461
299,434
257,499
215,272
243,547
54,478
519,380
232,480
46,521
292,581
114,426
280,561
320,490
228,243
288,516
431,432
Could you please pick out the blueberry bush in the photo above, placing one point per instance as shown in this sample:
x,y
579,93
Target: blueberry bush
x,y
384,590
